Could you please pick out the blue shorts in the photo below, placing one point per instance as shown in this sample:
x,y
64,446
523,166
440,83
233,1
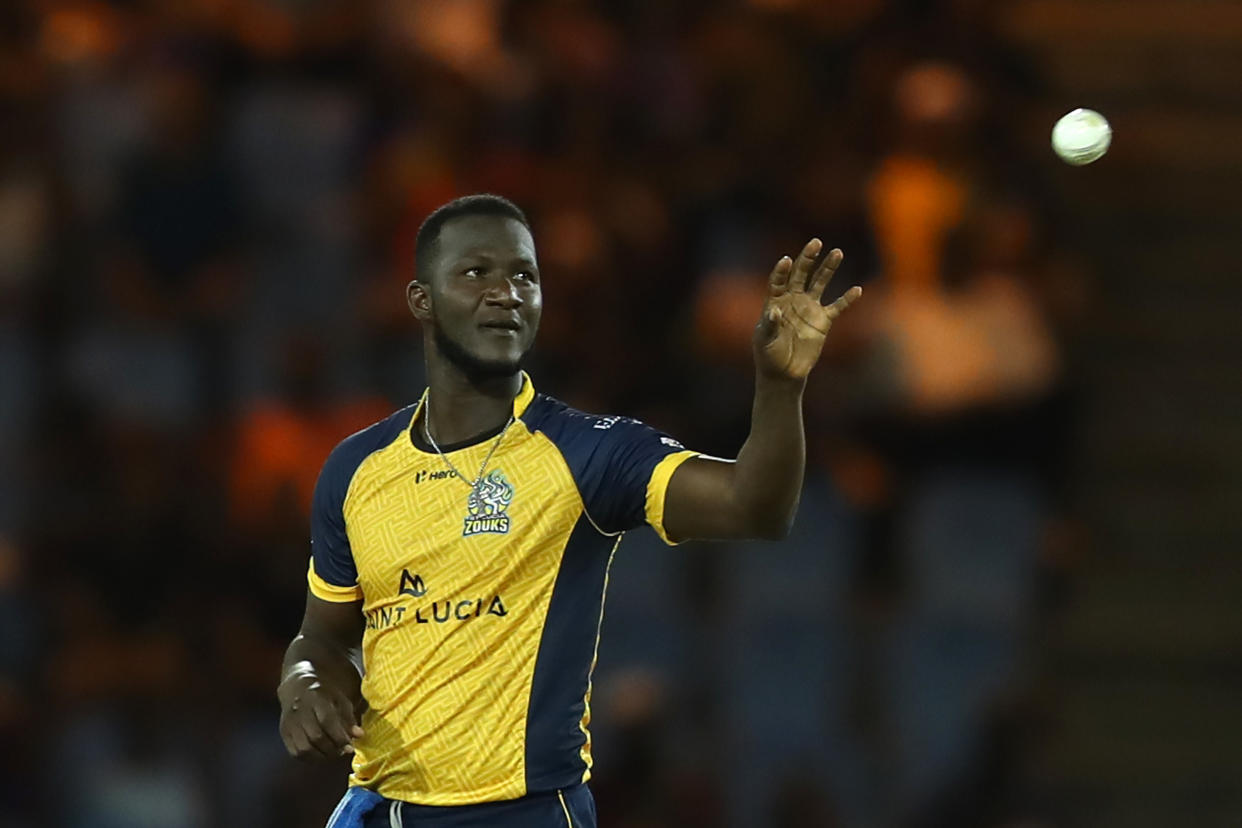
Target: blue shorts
x,y
568,808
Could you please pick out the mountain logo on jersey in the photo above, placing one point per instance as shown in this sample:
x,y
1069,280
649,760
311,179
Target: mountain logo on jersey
x,y
412,585
487,505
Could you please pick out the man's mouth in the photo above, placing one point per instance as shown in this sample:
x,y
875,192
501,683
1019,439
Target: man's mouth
x,y
503,327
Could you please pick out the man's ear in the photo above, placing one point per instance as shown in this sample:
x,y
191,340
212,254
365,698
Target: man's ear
x,y
418,297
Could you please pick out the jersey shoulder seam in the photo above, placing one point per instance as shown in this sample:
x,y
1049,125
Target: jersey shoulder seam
x,y
540,402
370,441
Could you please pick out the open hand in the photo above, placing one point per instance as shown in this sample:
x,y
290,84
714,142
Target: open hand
x,y
790,334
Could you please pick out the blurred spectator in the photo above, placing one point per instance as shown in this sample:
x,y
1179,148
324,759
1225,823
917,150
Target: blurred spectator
x,y
647,785
280,441
20,641
918,193
131,771
963,374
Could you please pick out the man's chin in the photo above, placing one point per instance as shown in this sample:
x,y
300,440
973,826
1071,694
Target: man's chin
x,y
482,369
476,366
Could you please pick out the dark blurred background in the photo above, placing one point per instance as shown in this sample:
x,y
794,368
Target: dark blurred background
x,y
1011,595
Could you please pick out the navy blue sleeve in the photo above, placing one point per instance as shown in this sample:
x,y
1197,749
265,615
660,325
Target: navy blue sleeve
x,y
333,559
333,575
612,460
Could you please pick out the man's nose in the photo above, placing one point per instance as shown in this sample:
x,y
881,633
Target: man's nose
x,y
503,292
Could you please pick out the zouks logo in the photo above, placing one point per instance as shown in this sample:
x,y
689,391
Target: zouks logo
x,y
487,505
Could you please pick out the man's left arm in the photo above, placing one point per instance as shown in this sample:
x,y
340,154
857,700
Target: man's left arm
x,y
756,495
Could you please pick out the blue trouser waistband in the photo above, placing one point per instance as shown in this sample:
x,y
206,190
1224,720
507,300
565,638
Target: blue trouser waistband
x,y
571,807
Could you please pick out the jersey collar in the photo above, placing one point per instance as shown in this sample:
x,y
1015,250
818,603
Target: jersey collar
x,y
523,399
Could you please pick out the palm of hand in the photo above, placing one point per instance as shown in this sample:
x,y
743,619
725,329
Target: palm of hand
x,y
791,331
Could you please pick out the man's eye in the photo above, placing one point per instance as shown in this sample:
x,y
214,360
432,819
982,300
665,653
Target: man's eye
x,y
473,271
523,276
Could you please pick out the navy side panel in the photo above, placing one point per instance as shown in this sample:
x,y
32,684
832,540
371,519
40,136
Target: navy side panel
x,y
330,550
611,458
554,737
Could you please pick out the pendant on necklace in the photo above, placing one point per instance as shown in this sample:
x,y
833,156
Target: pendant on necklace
x,y
487,506
490,495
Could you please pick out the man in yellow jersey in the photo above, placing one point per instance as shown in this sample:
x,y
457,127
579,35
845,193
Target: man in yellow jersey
x,y
460,547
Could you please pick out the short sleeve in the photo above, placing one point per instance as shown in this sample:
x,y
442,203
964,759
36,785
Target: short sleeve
x,y
332,575
657,489
622,466
627,478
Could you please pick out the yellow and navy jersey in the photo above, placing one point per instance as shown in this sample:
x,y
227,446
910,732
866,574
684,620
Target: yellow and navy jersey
x,y
483,606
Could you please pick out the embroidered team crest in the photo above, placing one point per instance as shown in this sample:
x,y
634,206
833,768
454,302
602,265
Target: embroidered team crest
x,y
487,504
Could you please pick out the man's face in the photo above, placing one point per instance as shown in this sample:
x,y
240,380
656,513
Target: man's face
x,y
486,300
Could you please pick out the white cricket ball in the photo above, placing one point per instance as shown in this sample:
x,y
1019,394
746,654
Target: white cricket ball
x,y
1081,136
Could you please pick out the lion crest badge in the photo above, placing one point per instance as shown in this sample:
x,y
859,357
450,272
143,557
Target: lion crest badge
x,y
488,506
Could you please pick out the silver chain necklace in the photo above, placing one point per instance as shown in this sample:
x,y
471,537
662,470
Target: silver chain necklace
x,y
495,445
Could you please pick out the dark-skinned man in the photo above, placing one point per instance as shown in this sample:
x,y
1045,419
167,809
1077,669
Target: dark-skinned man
x,y
460,548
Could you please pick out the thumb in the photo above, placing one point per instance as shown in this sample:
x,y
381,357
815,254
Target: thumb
x,y
769,322
348,712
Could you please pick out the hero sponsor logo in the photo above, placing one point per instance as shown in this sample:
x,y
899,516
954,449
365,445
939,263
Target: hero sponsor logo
x,y
423,474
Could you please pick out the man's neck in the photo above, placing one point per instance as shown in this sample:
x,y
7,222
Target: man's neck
x,y
462,408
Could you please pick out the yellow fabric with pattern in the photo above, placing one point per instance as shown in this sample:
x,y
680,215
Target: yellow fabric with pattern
x,y
458,596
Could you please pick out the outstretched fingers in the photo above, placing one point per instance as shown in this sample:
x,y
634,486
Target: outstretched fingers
x,y
848,298
778,282
802,267
823,275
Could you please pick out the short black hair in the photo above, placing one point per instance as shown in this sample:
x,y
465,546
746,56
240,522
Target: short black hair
x,y
480,204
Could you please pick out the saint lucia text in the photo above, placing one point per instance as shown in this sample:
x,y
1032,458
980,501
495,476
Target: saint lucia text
x,y
438,612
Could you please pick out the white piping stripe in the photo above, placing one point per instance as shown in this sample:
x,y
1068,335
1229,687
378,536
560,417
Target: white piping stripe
x,y
339,806
591,520
565,808
599,628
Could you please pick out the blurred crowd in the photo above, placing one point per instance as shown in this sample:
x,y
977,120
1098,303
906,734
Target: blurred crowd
x,y
207,214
